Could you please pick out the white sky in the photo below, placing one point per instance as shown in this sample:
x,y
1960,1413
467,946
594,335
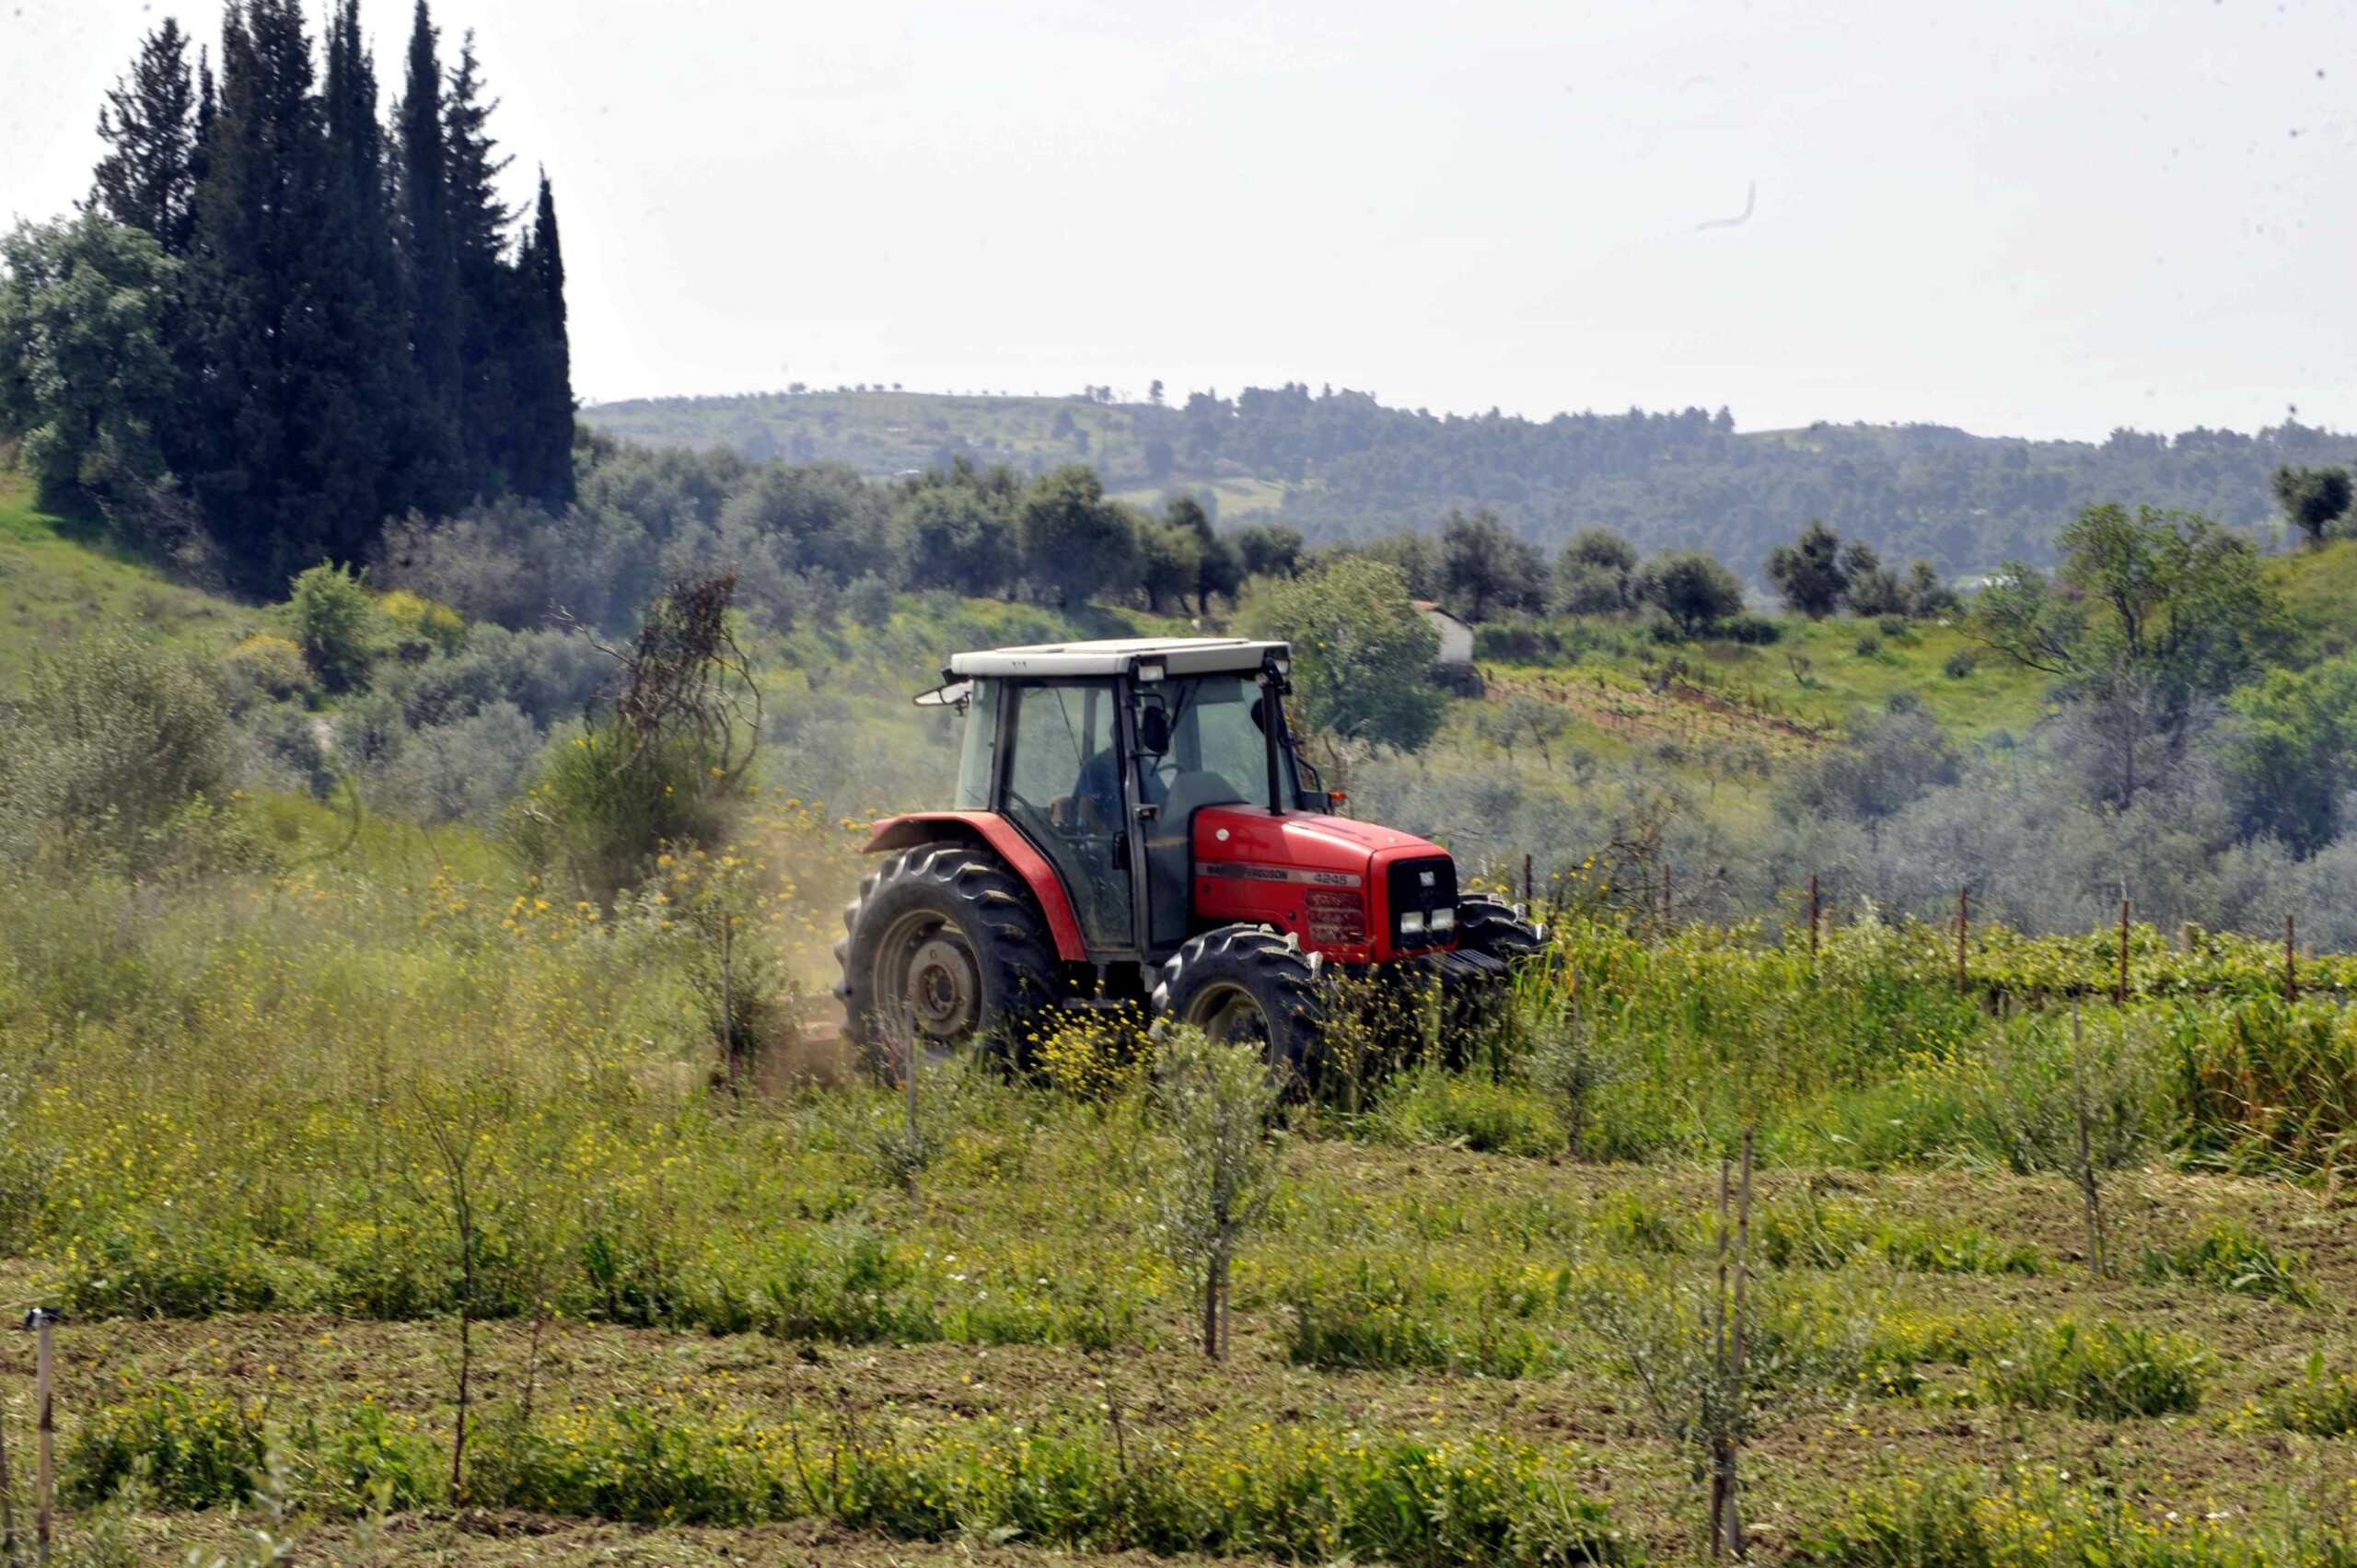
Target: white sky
x,y
2045,218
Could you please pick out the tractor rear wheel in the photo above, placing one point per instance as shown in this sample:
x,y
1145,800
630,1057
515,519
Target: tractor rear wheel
x,y
1246,983
943,945
1494,926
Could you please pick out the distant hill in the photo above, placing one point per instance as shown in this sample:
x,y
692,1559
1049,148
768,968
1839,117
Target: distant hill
x,y
1338,464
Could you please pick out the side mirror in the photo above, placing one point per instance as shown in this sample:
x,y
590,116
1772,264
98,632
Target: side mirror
x,y
1153,730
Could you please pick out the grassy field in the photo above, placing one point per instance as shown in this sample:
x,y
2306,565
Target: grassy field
x,y
275,1122
240,1111
56,580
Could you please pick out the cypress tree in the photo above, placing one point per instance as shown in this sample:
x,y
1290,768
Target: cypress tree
x,y
544,363
366,368
488,297
288,464
434,482
147,180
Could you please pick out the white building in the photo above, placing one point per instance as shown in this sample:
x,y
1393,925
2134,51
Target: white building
x,y
1456,637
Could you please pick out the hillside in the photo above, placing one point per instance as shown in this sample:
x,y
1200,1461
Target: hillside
x,y
58,581
1339,464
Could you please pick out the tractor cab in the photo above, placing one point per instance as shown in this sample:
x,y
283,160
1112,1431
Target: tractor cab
x,y
1139,816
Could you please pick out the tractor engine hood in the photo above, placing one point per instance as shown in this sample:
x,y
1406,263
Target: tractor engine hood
x,y
1326,879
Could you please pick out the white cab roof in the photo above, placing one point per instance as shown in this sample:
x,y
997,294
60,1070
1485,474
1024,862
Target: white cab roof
x,y
1181,655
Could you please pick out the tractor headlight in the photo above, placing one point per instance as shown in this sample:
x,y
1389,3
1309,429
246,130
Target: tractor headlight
x,y
1444,920
1150,671
1411,923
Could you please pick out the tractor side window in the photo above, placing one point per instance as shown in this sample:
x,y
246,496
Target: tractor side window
x,y
1226,740
980,752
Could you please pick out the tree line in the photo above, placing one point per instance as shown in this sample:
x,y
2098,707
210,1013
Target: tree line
x,y
283,318
1353,467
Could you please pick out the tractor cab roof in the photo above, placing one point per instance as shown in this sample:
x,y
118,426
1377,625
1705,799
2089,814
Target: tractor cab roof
x,y
1178,655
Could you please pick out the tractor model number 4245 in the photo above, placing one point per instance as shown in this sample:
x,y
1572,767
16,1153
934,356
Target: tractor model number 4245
x,y
1132,823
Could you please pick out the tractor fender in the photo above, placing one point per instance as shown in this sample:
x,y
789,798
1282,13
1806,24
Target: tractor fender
x,y
1001,837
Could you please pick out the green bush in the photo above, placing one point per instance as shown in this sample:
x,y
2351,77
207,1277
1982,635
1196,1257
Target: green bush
x,y
1869,645
2322,1403
337,624
190,1450
1499,1324
1959,664
2106,1372
1303,1493
2229,1257
1431,1106
603,804
109,746
421,627
1754,630
264,667
2043,1519
1930,1248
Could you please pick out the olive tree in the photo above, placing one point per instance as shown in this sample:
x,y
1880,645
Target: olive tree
x,y
1220,1166
1362,653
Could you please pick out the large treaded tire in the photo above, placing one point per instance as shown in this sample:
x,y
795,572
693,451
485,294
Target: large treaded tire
x,y
1203,982
1491,925
942,905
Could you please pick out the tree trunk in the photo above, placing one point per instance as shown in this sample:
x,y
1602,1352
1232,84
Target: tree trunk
x,y
1214,1285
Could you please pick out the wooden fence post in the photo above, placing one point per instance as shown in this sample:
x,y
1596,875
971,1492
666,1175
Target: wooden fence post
x,y
42,1320
1963,933
2088,1193
2291,972
7,1508
1527,901
2123,950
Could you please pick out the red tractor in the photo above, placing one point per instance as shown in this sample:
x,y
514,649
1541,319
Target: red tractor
x,y
1132,823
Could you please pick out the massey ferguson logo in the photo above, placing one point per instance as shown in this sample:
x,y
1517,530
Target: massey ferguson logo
x,y
1252,873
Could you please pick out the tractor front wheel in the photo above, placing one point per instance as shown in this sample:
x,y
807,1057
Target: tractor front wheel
x,y
1246,983
942,946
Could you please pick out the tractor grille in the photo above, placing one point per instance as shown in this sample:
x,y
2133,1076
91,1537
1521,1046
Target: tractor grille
x,y
1419,887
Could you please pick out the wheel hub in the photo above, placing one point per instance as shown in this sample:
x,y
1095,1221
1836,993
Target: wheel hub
x,y
1230,1013
943,989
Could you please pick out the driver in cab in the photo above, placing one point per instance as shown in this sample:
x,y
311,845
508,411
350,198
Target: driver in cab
x,y
1096,793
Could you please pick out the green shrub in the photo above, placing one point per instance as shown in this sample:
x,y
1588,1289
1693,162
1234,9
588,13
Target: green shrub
x,y
1869,645
266,666
112,741
1431,1106
363,1458
2044,1519
1811,1234
2106,1372
336,623
1755,630
191,1450
1896,627
2229,1257
420,626
1930,1248
2266,1087
1305,1492
2322,1403
1959,664
1500,1324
